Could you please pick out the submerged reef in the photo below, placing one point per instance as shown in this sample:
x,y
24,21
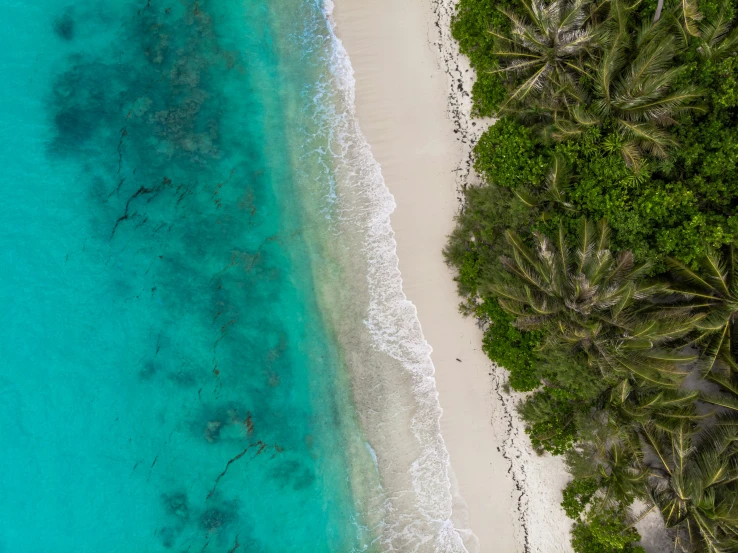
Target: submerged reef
x,y
184,192
64,26
174,192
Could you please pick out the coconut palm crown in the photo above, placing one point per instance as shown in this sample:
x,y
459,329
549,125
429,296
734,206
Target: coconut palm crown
x,y
633,88
589,300
612,456
545,49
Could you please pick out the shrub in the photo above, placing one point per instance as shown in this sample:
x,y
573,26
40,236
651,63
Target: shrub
x,y
512,348
577,495
550,420
508,155
605,532
470,27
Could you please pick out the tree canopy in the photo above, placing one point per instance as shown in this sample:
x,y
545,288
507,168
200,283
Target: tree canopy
x,y
599,251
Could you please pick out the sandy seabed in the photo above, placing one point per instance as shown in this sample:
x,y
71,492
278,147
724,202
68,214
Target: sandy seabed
x,y
413,105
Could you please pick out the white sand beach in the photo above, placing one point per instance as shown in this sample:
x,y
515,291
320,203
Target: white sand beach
x,y
412,106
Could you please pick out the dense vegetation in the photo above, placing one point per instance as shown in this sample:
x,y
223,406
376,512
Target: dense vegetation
x,y
600,251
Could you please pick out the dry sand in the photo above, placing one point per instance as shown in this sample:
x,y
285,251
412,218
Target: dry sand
x,y
412,106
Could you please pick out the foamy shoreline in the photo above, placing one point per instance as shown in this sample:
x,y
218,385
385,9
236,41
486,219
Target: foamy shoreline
x,y
413,106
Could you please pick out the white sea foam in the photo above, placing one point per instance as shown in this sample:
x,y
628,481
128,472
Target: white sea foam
x,y
373,453
391,318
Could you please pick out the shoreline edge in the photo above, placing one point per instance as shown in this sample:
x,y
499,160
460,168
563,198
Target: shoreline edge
x,y
413,105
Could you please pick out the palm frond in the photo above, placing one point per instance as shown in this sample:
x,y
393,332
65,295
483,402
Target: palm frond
x,y
716,270
712,352
690,16
682,272
525,196
533,83
646,133
721,400
632,155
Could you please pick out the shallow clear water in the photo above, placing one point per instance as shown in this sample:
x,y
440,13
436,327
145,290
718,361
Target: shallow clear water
x,y
167,381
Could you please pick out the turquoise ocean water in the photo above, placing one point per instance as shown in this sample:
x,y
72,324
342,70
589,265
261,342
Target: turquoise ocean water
x,y
167,380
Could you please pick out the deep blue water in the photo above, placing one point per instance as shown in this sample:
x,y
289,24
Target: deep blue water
x,y
166,380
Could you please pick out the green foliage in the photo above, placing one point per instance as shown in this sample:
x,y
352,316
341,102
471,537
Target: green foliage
x,y
652,215
670,208
605,532
512,348
474,249
673,209
577,495
545,49
469,264
593,303
478,241
550,416
507,154
488,92
470,27
636,125
571,371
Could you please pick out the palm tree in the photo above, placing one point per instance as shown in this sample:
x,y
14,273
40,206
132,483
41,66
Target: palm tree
x,y
633,88
546,49
590,301
694,483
